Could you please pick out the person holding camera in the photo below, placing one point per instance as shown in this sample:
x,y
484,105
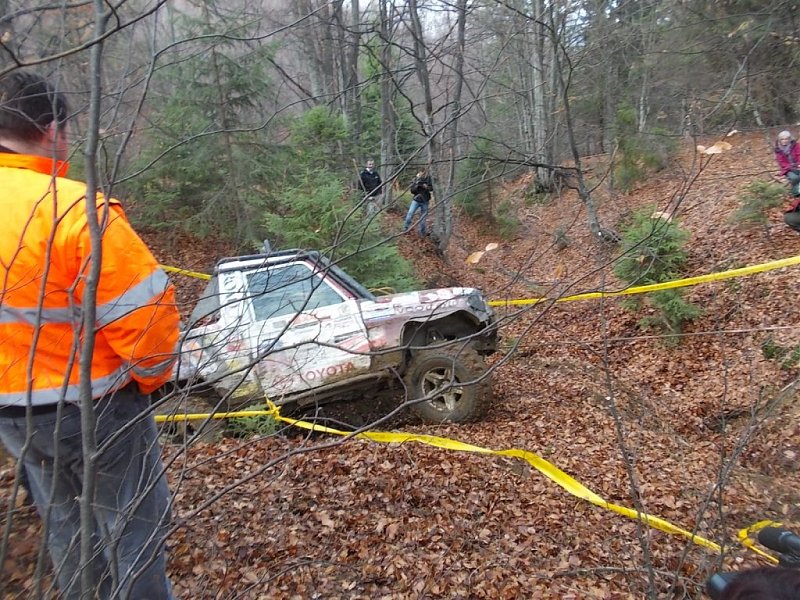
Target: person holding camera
x,y
422,189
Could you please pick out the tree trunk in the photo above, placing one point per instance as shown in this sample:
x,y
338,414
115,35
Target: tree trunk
x,y
643,108
421,65
244,222
648,44
316,42
89,308
440,224
583,191
388,126
353,77
444,208
540,117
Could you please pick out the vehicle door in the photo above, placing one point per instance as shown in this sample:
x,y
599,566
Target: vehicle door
x,y
216,346
305,331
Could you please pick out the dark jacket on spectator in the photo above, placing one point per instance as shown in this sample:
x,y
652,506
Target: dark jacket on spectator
x,y
370,182
422,188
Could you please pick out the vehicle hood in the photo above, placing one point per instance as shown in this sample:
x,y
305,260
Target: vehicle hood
x,y
428,303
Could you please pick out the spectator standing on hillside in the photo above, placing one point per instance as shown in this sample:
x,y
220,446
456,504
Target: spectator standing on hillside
x,y
370,181
45,257
421,188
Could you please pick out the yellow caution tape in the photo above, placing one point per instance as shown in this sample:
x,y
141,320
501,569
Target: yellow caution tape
x,y
655,287
223,415
382,291
747,542
186,272
641,289
548,469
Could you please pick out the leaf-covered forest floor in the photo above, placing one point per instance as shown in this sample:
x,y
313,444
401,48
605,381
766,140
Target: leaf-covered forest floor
x,y
704,433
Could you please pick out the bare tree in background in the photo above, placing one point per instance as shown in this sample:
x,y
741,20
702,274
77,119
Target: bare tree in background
x,y
190,109
443,224
388,120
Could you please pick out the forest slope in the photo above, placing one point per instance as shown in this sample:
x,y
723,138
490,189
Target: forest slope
x,y
704,433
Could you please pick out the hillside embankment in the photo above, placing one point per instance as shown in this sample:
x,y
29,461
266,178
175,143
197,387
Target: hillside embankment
x,y
704,433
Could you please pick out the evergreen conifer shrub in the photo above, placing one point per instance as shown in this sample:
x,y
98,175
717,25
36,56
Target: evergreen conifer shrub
x,y
758,199
317,213
506,220
653,252
261,425
639,152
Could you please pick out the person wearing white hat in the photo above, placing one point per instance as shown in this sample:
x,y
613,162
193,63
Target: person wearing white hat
x,y
787,153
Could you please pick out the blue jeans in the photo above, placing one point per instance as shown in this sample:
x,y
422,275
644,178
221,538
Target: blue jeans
x,y
131,505
794,180
422,207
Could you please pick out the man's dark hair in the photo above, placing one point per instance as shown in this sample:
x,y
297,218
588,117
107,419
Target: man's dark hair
x,y
28,104
775,583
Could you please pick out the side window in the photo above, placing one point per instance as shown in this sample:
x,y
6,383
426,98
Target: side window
x,y
207,308
287,290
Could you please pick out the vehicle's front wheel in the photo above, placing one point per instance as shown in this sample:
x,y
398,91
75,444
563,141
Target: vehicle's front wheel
x,y
454,382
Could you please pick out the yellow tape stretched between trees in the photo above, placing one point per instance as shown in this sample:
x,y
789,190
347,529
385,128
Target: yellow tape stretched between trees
x,y
746,539
641,289
655,287
545,467
186,272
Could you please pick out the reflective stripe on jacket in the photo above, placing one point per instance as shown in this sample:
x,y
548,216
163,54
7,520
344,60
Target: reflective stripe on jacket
x,y
44,261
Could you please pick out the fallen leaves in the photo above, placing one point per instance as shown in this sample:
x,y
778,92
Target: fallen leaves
x,y
365,520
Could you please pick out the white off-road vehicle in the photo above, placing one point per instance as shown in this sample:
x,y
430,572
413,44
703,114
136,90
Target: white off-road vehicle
x,y
293,327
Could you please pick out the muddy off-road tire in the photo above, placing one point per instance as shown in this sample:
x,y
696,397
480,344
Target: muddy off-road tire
x,y
446,370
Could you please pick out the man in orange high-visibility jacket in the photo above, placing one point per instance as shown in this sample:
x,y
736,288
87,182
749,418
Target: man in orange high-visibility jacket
x,y
45,258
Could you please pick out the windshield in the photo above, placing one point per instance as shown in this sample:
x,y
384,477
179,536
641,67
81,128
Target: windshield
x,y
287,290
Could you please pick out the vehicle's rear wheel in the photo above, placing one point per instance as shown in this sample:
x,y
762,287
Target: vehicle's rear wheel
x,y
454,382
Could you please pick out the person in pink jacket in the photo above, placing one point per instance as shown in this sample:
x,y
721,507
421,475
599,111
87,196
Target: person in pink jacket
x,y
787,153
